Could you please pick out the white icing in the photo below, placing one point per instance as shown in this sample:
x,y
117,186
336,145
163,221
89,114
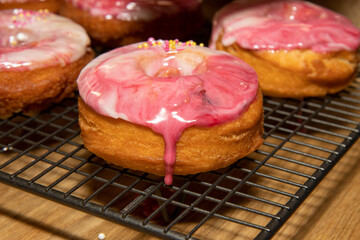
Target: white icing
x,y
32,42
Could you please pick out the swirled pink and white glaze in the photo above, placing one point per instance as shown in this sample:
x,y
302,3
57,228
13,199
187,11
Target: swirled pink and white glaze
x,y
129,10
168,90
284,25
36,39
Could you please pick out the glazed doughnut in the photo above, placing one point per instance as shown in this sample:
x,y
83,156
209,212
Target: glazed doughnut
x,y
41,55
50,5
120,22
143,107
297,48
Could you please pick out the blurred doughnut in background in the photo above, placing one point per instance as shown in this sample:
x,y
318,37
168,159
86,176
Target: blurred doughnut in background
x,y
51,5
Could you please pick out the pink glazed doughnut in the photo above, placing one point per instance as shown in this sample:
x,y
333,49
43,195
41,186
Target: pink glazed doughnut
x,y
297,48
170,108
41,55
121,22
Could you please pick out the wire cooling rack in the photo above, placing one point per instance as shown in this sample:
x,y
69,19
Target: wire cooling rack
x,y
44,155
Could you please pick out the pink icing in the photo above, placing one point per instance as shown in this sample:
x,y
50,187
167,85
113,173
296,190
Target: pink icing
x,y
36,39
168,91
135,9
284,25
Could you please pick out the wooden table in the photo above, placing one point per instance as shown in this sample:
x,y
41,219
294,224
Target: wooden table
x,y
332,211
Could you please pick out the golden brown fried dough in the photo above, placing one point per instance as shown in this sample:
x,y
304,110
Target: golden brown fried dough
x,y
51,5
33,90
298,73
199,149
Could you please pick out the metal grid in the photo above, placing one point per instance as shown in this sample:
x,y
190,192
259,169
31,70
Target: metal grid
x,y
44,155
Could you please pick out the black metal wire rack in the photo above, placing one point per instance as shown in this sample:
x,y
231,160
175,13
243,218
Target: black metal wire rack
x,y
44,155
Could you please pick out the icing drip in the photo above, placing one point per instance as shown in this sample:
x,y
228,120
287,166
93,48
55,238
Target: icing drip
x,y
36,39
135,10
168,91
284,25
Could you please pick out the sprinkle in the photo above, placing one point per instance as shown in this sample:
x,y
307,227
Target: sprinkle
x,y
168,45
13,42
23,17
101,236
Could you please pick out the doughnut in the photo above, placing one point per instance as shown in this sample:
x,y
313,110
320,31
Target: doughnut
x,y
50,5
41,55
297,48
121,22
167,107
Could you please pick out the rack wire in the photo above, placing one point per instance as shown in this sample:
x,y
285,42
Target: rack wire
x,y
44,155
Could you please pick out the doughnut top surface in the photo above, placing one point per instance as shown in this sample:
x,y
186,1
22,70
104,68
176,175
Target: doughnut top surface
x,y
284,25
168,90
37,39
135,10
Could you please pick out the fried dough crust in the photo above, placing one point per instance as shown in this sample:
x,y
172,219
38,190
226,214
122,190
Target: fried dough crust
x,y
34,90
298,73
51,5
199,149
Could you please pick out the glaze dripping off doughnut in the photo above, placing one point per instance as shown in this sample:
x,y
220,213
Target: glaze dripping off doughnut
x,y
297,48
167,107
41,55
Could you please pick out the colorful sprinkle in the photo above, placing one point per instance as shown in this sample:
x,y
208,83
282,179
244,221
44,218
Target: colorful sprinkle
x,y
23,17
169,45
